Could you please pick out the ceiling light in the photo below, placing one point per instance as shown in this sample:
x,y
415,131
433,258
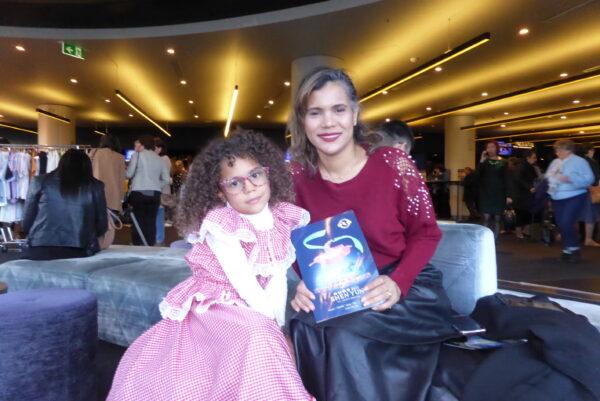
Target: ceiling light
x,y
438,69
576,101
139,111
99,132
387,120
523,31
171,50
428,108
130,115
271,102
258,116
287,83
564,74
195,115
10,126
384,92
511,95
506,113
54,116
20,48
484,94
503,125
190,101
234,96
73,80
563,117
543,131
582,132
183,82
107,100
535,116
465,47
1,116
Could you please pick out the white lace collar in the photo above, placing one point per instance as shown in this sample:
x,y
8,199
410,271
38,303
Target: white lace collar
x,y
262,220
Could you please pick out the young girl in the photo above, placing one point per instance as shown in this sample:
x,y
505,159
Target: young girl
x,y
220,337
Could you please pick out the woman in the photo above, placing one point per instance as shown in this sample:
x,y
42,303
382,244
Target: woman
x,y
148,175
65,211
165,198
108,166
568,179
591,213
387,352
520,189
492,176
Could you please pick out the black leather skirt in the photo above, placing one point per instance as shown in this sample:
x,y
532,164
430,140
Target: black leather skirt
x,y
376,356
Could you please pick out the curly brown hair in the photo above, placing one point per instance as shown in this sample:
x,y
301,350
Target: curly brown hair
x,y
200,192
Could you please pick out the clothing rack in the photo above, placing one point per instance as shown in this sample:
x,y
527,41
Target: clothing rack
x,y
35,146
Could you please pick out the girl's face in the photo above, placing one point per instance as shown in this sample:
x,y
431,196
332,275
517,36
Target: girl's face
x,y
330,119
491,149
245,185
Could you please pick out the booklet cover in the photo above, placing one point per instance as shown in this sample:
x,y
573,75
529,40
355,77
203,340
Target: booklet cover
x,y
336,264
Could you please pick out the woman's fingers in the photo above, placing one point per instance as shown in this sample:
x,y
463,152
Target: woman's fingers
x,y
303,299
382,293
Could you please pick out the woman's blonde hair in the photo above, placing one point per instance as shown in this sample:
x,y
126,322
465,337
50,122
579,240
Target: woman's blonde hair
x,y
301,149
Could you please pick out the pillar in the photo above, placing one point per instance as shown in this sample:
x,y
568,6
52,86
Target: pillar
x,y
54,132
459,152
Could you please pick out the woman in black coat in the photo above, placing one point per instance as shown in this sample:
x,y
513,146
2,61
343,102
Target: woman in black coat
x,y
521,183
65,211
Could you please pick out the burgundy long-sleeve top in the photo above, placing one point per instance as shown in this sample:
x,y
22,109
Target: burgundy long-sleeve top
x,y
392,204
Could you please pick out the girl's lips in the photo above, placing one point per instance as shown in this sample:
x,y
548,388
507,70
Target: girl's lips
x,y
254,201
329,137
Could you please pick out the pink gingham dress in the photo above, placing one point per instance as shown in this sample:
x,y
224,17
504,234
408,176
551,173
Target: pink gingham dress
x,y
210,345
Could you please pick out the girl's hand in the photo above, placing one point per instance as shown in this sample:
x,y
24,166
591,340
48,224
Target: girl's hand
x,y
383,292
303,299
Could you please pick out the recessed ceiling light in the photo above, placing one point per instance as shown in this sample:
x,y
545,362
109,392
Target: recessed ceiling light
x,y
171,50
384,92
387,120
195,115
107,100
271,102
130,115
576,101
523,31
563,117
73,80
582,132
484,94
506,113
503,125
190,101
564,74
428,108
438,69
287,83
20,48
183,82
1,116
258,116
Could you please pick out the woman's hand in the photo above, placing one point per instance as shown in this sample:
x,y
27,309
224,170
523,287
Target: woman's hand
x,y
303,299
382,293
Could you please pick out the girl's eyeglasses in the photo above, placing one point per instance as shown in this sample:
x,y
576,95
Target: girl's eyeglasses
x,y
258,177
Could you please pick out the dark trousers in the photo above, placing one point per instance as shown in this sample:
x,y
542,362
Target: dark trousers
x,y
54,252
145,209
566,214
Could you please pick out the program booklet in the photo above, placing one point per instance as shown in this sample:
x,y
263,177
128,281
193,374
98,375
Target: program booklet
x,y
336,264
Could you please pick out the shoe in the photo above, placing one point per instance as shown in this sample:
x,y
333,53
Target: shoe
x,y
573,257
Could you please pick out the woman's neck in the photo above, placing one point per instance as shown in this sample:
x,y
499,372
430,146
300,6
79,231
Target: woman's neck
x,y
343,166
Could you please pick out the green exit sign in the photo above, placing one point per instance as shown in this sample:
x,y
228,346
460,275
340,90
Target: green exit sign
x,y
73,50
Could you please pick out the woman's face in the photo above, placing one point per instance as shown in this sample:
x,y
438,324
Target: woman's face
x,y
562,153
330,119
491,149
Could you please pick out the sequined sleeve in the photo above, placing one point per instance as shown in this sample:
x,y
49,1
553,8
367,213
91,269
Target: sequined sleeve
x,y
417,216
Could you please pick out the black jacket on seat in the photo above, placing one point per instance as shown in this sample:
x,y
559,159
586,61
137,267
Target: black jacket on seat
x,y
50,219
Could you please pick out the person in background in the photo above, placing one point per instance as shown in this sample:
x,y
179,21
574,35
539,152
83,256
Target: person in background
x,y
491,175
470,193
108,166
65,211
179,174
521,182
440,191
591,213
568,179
165,199
396,134
148,175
